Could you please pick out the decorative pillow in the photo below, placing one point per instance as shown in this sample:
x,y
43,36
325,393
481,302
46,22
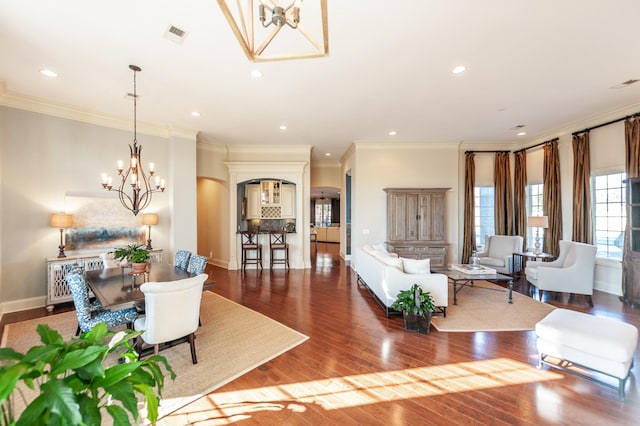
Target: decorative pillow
x,y
388,260
415,266
382,247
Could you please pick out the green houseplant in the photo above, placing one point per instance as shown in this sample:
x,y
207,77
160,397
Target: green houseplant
x,y
416,306
79,379
138,255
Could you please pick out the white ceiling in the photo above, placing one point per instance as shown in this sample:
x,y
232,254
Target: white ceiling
x,y
545,64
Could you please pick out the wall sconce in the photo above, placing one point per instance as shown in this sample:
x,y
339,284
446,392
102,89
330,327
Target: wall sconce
x,y
538,222
61,221
149,219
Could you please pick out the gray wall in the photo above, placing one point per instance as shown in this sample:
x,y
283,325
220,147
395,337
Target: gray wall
x,y
43,159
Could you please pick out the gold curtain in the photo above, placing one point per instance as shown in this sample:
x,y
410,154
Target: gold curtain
x,y
469,243
503,194
632,147
631,286
520,195
552,204
582,231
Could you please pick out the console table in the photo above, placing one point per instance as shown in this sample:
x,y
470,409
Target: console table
x,y
57,268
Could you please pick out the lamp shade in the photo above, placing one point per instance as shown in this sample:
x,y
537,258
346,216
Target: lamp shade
x,y
149,219
61,220
538,222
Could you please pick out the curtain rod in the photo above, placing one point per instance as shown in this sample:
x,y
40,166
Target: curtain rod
x,y
494,152
637,114
536,145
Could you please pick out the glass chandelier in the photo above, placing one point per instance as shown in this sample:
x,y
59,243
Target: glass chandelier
x,y
142,185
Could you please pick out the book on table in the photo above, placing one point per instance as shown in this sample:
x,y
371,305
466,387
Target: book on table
x,y
472,269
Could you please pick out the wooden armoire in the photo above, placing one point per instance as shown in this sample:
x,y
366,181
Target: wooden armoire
x,y
416,224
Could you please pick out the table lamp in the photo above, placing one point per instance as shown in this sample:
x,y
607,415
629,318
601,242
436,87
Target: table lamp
x,y
61,221
149,219
537,222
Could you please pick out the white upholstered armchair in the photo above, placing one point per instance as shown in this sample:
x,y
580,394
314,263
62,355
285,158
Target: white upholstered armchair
x,y
572,272
498,252
172,312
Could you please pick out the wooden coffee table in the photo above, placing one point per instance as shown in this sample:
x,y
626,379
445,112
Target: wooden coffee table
x,y
461,280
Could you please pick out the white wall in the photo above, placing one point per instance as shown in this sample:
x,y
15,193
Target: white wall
x,y
45,158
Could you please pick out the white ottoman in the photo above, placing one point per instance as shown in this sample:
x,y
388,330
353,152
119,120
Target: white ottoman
x,y
599,344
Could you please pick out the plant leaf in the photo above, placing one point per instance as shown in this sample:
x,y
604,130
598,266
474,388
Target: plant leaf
x,y
123,392
9,353
78,358
116,373
119,415
10,378
89,409
49,336
60,400
151,401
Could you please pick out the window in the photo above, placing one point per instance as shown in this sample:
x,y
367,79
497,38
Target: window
x,y
534,208
323,212
484,216
609,214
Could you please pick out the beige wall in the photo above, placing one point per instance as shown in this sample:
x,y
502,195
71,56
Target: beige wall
x,y
326,177
43,159
376,166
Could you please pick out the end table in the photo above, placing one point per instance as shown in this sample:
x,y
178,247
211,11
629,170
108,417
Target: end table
x,y
523,256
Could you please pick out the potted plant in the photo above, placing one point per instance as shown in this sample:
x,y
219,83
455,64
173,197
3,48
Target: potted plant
x,y
82,379
416,306
137,255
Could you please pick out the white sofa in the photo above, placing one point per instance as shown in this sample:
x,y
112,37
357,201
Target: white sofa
x,y
383,274
498,252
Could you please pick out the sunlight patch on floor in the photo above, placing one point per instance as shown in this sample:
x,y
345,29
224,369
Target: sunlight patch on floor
x,y
362,389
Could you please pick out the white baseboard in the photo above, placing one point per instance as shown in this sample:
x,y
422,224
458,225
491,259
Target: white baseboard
x,y
23,304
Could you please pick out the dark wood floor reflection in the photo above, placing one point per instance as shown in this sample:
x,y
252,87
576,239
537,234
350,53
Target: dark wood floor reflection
x,y
341,374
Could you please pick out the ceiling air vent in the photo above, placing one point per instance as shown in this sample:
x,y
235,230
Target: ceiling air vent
x,y
625,84
175,34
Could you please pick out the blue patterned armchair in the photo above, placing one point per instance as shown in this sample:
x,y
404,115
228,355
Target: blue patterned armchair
x,y
89,315
197,264
182,259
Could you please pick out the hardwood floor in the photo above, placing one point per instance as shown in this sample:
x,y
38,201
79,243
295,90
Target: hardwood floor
x,y
359,367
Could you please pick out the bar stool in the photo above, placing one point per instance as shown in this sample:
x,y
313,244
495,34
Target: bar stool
x,y
250,244
278,241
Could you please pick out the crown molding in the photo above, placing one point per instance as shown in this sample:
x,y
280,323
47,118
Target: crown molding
x,y
69,112
405,145
242,149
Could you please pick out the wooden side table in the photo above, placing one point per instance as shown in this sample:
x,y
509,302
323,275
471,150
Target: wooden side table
x,y
523,256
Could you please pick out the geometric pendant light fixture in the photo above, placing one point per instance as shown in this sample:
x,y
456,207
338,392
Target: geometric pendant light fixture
x,y
277,30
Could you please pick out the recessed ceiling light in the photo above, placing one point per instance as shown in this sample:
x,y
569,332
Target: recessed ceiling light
x,y
195,114
392,133
256,74
522,133
328,154
459,69
283,127
48,73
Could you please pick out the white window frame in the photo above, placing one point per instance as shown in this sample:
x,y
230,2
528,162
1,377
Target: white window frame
x,y
535,207
484,215
609,214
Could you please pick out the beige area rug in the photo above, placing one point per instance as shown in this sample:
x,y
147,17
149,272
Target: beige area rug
x,y
485,307
231,341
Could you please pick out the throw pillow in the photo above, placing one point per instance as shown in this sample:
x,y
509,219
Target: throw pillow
x,y
382,247
388,260
415,266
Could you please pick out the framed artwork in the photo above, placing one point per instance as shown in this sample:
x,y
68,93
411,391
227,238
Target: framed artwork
x,y
100,222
